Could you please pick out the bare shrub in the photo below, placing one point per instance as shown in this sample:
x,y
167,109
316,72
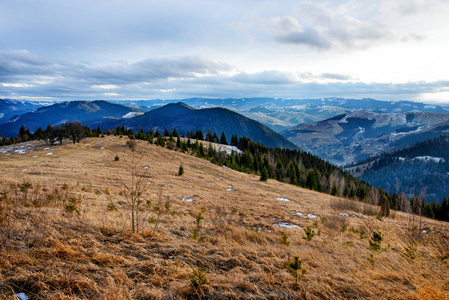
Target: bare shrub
x,y
345,204
338,223
131,144
171,145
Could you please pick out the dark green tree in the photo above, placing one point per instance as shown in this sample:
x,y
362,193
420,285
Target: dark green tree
x,y
264,174
223,139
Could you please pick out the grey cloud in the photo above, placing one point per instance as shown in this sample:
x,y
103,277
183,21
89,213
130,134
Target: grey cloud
x,y
324,26
181,77
308,36
22,62
265,78
27,66
413,7
288,30
413,37
156,69
223,86
336,76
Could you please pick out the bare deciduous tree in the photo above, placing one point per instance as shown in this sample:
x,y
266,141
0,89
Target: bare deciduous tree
x,y
135,188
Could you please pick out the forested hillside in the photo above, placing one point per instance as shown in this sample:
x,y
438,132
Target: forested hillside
x,y
185,118
420,170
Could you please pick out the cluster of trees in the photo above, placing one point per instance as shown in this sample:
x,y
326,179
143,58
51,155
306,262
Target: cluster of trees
x,y
74,131
291,166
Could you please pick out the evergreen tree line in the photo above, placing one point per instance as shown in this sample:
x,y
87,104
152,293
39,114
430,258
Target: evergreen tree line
x,y
290,166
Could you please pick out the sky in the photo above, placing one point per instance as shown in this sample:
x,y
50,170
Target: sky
x,y
172,49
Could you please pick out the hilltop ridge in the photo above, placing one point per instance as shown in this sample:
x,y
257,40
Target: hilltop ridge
x,y
74,197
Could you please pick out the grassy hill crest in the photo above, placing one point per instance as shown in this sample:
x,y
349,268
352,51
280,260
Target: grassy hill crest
x,y
67,232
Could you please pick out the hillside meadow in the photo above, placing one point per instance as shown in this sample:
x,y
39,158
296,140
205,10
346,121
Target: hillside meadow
x,y
212,233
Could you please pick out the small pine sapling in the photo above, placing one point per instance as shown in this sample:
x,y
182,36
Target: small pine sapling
x,y
284,239
198,280
375,241
362,234
295,269
180,170
199,217
310,233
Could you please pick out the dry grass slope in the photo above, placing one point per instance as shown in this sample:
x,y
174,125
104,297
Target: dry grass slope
x,y
65,233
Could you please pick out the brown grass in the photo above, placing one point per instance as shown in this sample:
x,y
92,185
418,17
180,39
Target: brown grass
x,y
48,250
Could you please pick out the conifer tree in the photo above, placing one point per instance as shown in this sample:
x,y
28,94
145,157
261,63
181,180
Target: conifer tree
x,y
295,269
264,174
223,139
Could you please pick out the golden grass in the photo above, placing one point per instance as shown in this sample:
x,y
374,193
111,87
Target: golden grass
x,y
46,251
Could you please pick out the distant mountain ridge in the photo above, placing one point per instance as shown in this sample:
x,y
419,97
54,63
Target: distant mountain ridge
x,y
351,137
14,108
281,114
277,113
87,112
186,118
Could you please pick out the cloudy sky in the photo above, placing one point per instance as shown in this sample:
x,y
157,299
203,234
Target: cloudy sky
x,y
148,49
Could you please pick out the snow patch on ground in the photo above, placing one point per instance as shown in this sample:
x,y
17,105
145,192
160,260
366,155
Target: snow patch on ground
x,y
226,148
185,199
287,225
22,296
50,153
310,215
13,119
129,115
347,215
230,188
284,199
430,158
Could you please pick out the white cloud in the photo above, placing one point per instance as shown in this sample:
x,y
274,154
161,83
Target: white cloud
x,y
17,85
105,86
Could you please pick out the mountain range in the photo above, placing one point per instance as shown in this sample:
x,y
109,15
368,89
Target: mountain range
x,y
87,112
13,109
186,118
348,138
175,115
282,114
